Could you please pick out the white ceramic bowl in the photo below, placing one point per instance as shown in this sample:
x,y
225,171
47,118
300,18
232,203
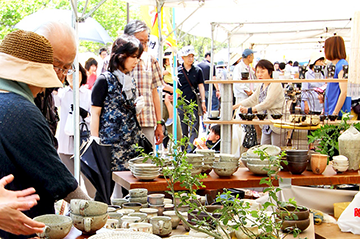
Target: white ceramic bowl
x,y
225,172
259,168
228,158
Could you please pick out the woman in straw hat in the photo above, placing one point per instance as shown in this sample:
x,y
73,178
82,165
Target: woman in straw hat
x,y
26,149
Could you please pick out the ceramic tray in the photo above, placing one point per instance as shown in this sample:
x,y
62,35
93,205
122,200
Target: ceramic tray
x,y
124,235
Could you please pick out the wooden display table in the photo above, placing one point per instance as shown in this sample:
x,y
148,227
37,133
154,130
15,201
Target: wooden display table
x,y
332,231
243,178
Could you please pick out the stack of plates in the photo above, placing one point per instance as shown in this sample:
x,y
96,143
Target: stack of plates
x,y
145,171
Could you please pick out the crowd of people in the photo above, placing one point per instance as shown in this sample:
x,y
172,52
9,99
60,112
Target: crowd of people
x,y
120,104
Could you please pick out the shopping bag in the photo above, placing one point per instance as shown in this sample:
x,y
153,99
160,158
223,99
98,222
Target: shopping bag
x,y
349,221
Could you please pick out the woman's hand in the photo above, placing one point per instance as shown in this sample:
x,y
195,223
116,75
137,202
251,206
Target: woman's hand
x,y
203,106
243,110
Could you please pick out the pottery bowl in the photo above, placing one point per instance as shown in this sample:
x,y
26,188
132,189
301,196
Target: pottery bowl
x,y
56,226
332,117
249,116
194,158
340,159
261,116
141,227
225,164
214,113
259,169
296,152
90,224
292,213
141,200
125,211
228,158
160,208
242,116
322,117
119,201
206,152
87,207
138,192
156,199
276,116
169,207
168,201
244,160
132,205
175,220
162,225
142,215
340,169
115,215
291,224
297,167
225,172
258,161
297,158
151,212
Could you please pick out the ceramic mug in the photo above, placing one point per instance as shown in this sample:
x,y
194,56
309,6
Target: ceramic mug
x,y
56,226
89,224
87,208
127,220
141,227
161,225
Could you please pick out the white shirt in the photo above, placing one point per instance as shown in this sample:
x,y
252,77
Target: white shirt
x,y
63,100
239,88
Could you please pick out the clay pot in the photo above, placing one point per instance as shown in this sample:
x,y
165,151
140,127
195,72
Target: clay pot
x,y
318,163
290,211
297,167
288,225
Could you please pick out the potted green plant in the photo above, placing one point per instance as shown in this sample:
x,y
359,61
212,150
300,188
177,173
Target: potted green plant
x,y
235,215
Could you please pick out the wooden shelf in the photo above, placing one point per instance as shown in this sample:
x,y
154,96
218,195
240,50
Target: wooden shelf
x,y
243,178
265,122
274,81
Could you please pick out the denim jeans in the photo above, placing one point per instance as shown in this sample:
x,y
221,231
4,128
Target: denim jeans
x,y
194,127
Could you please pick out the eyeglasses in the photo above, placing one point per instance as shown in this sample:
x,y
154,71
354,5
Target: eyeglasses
x,y
65,71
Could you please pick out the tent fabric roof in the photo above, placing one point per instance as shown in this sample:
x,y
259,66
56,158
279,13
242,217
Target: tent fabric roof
x,y
264,21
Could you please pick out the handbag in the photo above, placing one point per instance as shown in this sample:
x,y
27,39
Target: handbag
x,y
84,132
250,138
145,144
197,94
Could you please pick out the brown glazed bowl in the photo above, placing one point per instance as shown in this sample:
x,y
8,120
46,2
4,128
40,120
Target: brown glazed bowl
x,y
276,116
288,225
250,117
261,116
297,158
242,116
297,167
332,117
289,212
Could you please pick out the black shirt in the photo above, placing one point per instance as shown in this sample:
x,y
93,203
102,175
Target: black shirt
x,y
205,67
195,76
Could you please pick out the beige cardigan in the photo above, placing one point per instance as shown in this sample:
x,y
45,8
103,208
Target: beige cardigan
x,y
274,102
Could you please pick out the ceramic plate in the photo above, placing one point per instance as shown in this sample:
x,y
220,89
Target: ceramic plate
x,y
124,235
141,177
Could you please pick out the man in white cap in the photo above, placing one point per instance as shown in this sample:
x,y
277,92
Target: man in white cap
x,y
243,91
190,80
26,149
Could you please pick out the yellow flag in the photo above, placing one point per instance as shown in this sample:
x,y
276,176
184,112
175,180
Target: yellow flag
x,y
150,17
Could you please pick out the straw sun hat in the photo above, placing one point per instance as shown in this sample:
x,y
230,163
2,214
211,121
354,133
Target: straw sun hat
x,y
28,57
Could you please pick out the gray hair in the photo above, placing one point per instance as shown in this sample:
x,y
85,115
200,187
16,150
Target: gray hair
x,y
56,29
135,26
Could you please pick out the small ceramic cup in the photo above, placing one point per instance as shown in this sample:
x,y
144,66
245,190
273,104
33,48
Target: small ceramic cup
x,y
156,199
141,227
112,224
115,215
161,225
119,201
132,205
87,208
125,212
151,212
89,224
138,192
142,215
56,226
126,220
174,218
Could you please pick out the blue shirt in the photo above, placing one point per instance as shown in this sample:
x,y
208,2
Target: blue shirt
x,y
333,91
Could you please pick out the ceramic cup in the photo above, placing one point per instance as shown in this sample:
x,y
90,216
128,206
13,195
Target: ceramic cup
x,y
156,199
142,215
138,192
318,163
214,113
112,224
174,218
161,225
89,224
56,226
126,220
151,212
87,208
132,205
141,227
115,215
125,212
118,201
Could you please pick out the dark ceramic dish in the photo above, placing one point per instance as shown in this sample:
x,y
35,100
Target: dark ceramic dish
x,y
332,117
261,116
276,116
297,158
242,116
250,117
296,152
322,117
297,167
289,225
289,212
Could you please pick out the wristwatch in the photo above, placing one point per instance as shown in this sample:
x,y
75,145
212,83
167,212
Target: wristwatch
x,y
158,122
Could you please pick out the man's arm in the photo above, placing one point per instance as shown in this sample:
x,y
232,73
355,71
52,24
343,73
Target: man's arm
x,y
158,130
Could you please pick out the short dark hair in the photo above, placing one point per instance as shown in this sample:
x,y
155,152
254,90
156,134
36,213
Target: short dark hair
x,y
207,54
296,63
216,129
122,48
282,65
265,64
83,76
135,26
102,49
290,62
335,48
91,61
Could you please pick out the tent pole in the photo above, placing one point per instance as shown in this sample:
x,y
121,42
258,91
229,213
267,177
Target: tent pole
x,y
211,86
76,112
159,6
174,128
